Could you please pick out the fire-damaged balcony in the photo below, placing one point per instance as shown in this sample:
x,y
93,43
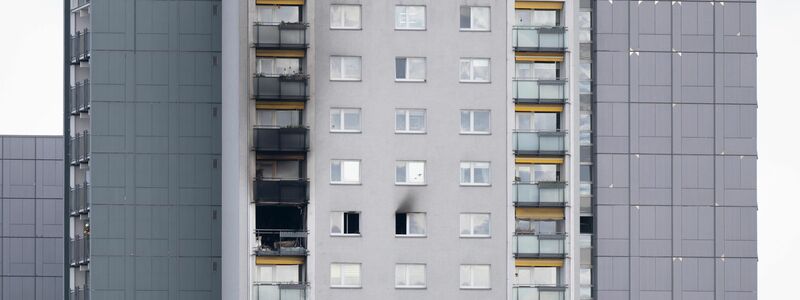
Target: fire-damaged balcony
x,y
291,87
79,98
539,38
79,149
79,47
539,142
79,248
525,292
273,36
280,191
280,139
530,245
280,291
280,231
539,91
539,194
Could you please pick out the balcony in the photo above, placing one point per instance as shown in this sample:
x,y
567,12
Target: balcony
x,y
80,47
526,292
79,149
79,98
527,245
280,139
287,36
539,38
280,191
79,251
75,4
78,199
281,242
539,142
539,194
539,91
281,87
279,291
79,293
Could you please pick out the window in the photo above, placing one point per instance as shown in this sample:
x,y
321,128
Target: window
x,y
345,172
475,225
476,121
409,69
587,224
277,169
475,173
409,121
539,18
346,68
474,276
474,70
533,173
345,275
407,17
277,66
273,14
537,70
409,224
278,273
345,120
409,276
410,173
538,227
537,122
475,18
345,16
537,276
345,223
277,118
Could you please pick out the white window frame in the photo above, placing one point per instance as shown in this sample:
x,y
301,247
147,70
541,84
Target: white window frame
x,y
275,272
407,277
407,116
397,26
408,69
341,12
472,21
341,284
341,169
338,217
408,224
472,166
470,268
472,226
341,76
471,129
405,163
471,61
341,121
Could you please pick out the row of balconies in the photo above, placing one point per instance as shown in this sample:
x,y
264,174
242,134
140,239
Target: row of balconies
x,y
79,45
79,98
531,245
79,251
79,200
279,291
79,148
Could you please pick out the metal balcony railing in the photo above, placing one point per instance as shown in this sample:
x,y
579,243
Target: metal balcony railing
x,y
79,3
539,194
539,91
80,250
526,292
539,38
539,245
280,291
281,242
79,98
280,191
280,139
280,87
280,35
80,47
79,199
79,293
79,148
539,142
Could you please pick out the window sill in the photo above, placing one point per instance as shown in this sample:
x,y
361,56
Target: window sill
x,y
410,184
411,132
410,80
474,81
345,80
345,183
345,287
411,287
475,236
474,30
475,288
418,236
345,131
347,28
345,235
476,184
475,133
410,29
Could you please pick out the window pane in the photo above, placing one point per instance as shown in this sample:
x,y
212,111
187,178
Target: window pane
x,y
350,170
287,273
524,121
465,20
544,70
544,18
336,119
524,70
523,276
480,275
352,68
400,120
480,18
465,121
465,224
481,224
466,170
416,120
416,223
336,67
545,121
545,172
400,68
416,67
480,69
481,175
351,275
465,276
545,276
465,70
482,121
287,118
265,66
416,275
352,120
401,172
346,16
400,275
416,172
336,171
336,222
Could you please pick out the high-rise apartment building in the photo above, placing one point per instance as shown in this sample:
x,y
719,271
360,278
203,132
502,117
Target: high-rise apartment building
x,y
350,149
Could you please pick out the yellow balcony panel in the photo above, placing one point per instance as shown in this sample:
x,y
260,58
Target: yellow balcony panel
x,y
280,260
539,160
538,108
539,5
538,262
540,213
281,105
280,2
539,56
281,53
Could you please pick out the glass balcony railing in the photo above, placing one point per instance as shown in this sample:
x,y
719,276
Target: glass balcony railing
x,y
79,199
523,292
281,242
539,245
79,293
280,35
539,194
79,148
280,87
279,291
539,38
280,191
79,98
539,91
280,139
80,47
78,3
539,142
79,250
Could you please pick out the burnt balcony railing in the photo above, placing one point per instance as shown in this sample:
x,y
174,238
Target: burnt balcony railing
x,y
539,194
526,245
281,242
79,98
80,47
280,191
539,142
280,35
79,293
280,291
526,292
280,139
79,199
79,148
539,91
539,38
79,250
280,87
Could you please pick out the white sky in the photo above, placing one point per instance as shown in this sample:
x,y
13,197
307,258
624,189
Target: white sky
x,y
31,99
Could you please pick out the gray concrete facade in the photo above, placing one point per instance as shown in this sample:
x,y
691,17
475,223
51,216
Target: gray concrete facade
x,y
675,149
31,219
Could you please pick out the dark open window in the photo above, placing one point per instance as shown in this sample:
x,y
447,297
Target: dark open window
x,y
400,223
351,223
587,224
